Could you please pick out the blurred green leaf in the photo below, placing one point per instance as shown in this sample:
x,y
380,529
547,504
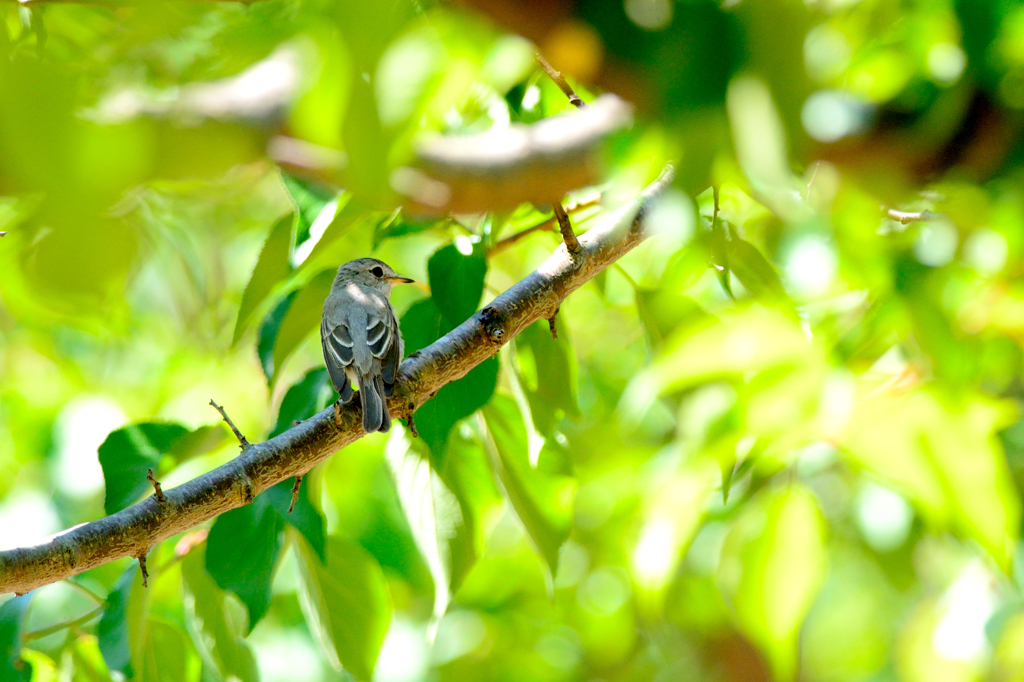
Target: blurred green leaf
x,y
543,502
467,473
346,604
436,519
165,653
549,370
273,266
421,325
302,317
12,617
457,281
304,398
759,277
945,456
241,553
217,629
130,451
772,566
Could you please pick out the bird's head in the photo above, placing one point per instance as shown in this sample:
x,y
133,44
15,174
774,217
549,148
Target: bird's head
x,y
369,272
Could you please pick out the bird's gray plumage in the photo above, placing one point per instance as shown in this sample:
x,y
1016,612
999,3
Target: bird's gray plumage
x,y
360,337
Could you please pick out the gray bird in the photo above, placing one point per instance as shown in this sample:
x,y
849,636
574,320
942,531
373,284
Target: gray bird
x,y
360,337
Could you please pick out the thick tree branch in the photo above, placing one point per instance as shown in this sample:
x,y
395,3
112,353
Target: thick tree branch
x,y
133,531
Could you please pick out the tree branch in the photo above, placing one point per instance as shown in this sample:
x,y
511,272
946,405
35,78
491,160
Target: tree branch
x,y
133,531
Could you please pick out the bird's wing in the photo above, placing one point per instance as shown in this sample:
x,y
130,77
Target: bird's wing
x,y
392,357
337,346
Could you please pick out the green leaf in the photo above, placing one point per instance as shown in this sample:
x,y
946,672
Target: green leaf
x,y
945,457
549,372
273,266
130,451
346,604
302,317
435,518
394,226
305,398
772,566
122,627
543,502
457,281
12,618
267,337
127,454
309,199
241,553
217,629
421,325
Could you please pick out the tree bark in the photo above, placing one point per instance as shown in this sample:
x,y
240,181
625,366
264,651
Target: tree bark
x,y
132,532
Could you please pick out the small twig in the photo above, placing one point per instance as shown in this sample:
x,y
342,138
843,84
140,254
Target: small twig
x,y
551,323
565,227
3,234
74,622
514,239
905,217
412,426
87,591
295,493
559,80
145,573
160,497
547,224
243,443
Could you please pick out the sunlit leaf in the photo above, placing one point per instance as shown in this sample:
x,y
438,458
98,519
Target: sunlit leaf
x,y
945,456
129,452
272,267
12,617
217,629
241,554
435,517
346,604
671,520
772,566
310,199
543,502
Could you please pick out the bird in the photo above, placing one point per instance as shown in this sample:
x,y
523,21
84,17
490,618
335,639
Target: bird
x,y
361,340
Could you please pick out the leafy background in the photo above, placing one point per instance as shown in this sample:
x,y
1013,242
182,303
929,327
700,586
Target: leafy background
x,y
781,439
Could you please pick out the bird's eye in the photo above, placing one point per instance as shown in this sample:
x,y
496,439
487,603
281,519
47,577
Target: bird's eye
x,y
377,271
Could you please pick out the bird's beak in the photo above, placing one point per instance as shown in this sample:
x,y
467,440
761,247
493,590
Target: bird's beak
x,y
401,280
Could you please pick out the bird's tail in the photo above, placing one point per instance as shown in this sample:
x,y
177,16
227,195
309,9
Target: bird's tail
x,y
375,408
